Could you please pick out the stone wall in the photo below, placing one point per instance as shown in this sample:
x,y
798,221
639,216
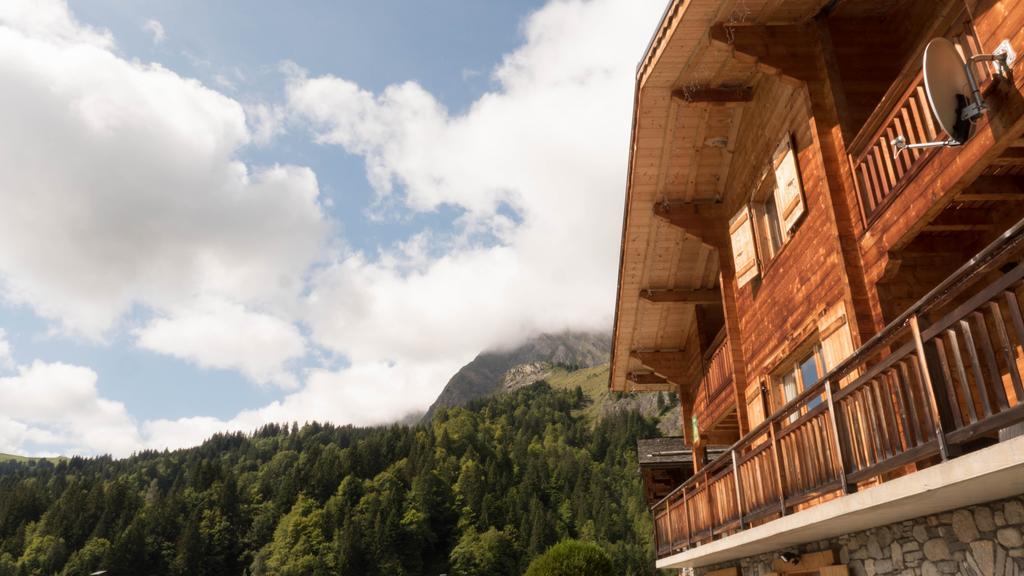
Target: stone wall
x,y
984,540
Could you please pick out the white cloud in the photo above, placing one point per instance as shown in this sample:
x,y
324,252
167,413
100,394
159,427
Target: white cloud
x,y
156,30
265,122
551,143
227,336
121,186
6,359
58,406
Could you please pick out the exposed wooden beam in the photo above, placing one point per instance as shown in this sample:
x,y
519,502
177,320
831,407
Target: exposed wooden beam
x,y
991,197
1010,157
958,227
680,367
648,382
676,295
663,387
963,220
787,50
720,95
645,378
705,220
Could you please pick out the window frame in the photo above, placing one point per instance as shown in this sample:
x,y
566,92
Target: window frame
x,y
769,237
792,366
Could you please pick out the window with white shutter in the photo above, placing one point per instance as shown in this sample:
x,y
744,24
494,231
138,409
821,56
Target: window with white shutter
x,y
789,193
744,252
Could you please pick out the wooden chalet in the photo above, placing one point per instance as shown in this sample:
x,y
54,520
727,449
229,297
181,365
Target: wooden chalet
x,y
841,316
665,463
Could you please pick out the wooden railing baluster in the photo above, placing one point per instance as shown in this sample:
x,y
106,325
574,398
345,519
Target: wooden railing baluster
x,y
839,437
929,389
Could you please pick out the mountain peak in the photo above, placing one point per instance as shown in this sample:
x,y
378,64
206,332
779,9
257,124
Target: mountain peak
x,y
495,370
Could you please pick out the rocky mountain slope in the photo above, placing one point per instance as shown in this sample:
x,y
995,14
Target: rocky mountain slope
x,y
486,374
564,361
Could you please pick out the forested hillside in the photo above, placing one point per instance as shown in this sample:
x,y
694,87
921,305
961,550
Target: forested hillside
x,y
478,490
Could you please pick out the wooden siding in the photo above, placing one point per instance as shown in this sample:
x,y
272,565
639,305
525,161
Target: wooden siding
x,y
781,310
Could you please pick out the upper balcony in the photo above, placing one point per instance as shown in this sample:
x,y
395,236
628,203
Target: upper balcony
x,y
878,103
939,382
714,404
903,110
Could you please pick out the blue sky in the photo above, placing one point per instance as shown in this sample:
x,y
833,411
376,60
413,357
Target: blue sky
x,y
238,212
449,47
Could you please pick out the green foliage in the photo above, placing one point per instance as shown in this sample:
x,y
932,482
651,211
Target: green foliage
x,y
570,558
90,558
478,490
494,553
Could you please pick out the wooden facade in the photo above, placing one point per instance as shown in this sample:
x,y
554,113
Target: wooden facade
x,y
817,302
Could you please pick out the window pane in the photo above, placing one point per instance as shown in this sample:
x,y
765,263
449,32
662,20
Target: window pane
x,y
789,390
771,213
809,373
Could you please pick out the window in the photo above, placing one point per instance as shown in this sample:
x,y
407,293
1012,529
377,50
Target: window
x,y
760,229
767,227
796,376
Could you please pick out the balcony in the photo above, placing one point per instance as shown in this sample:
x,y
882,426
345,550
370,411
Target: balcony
x,y
715,395
941,380
903,110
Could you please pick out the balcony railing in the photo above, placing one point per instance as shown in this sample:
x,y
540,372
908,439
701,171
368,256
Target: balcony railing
x,y
715,394
904,110
914,394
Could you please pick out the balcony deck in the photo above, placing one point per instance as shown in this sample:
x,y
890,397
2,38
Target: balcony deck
x,y
715,400
941,379
903,111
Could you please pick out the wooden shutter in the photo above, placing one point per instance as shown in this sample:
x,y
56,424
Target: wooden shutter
x,y
755,404
789,195
836,339
744,252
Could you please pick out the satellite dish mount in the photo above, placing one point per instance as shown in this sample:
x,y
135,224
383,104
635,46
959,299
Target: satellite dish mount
x,y
953,94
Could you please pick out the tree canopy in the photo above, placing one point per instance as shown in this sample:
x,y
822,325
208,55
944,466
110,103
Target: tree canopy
x,y
571,558
479,490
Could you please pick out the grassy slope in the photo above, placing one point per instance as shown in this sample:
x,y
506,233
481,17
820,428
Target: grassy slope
x,y
594,382
17,458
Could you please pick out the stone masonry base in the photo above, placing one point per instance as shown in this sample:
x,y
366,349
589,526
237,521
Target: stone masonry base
x,y
983,540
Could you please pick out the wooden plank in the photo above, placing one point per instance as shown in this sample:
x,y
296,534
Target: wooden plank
x,y
1004,345
947,378
996,383
645,378
972,357
718,95
961,373
684,296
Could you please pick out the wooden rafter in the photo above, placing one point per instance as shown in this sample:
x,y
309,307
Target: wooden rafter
x,y
705,220
719,95
676,366
681,296
645,378
775,49
963,220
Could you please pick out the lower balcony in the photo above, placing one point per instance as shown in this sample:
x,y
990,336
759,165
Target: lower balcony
x,y
917,420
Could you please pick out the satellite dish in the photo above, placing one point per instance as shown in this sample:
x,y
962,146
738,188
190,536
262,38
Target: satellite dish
x,y
953,93
947,85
